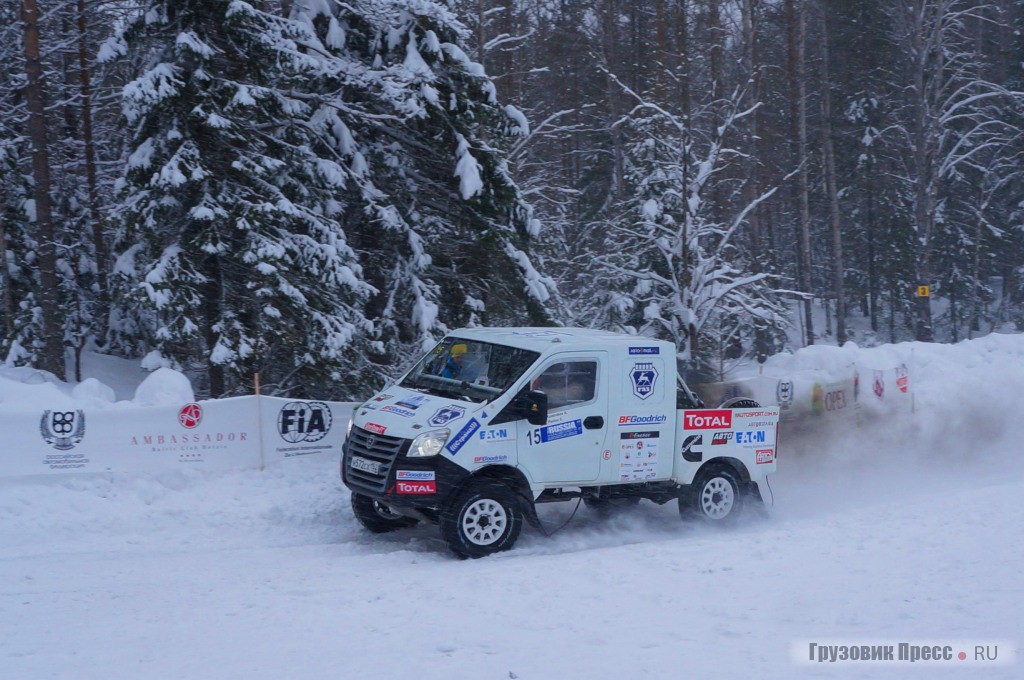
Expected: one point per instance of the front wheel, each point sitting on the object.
(378, 517)
(482, 519)
(715, 496)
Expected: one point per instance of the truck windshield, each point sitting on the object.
(469, 369)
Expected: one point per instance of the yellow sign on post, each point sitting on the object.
(924, 291)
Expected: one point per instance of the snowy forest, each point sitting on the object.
(315, 191)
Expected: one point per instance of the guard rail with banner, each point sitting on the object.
(216, 434)
(876, 391)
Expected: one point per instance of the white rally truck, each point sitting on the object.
(494, 421)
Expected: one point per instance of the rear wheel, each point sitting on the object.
(715, 496)
(482, 519)
(378, 517)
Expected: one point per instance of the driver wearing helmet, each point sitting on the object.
(453, 366)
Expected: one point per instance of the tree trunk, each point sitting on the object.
(212, 307)
(5, 283)
(98, 241)
(751, 188)
(52, 355)
(924, 206)
(481, 33)
(872, 266)
(611, 60)
(716, 35)
(795, 38)
(828, 151)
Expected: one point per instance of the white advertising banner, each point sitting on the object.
(215, 434)
(300, 427)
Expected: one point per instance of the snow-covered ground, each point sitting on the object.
(905, 529)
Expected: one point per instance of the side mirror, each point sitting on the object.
(534, 407)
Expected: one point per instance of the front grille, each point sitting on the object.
(376, 447)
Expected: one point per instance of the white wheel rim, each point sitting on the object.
(717, 498)
(384, 511)
(484, 521)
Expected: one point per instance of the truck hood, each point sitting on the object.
(401, 412)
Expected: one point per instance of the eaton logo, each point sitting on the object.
(751, 437)
(495, 434)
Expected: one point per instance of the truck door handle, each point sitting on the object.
(593, 422)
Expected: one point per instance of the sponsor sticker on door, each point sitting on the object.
(710, 419)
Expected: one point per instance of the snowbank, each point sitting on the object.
(28, 389)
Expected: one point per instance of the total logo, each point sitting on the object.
(415, 488)
(190, 416)
(304, 421)
(707, 420)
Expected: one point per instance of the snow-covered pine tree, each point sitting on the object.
(671, 268)
(232, 257)
(21, 343)
(444, 234)
(19, 326)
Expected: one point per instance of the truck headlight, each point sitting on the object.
(428, 444)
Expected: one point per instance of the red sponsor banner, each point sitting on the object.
(375, 428)
(707, 420)
(415, 487)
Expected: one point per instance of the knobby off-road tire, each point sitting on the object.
(716, 496)
(378, 517)
(482, 519)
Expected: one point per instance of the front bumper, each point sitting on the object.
(390, 476)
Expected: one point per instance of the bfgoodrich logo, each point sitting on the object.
(304, 421)
(63, 430)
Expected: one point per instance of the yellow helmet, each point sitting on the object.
(458, 350)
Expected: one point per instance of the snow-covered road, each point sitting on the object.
(899, 531)
(164, 579)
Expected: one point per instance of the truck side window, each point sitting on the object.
(568, 383)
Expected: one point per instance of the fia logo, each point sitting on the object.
(62, 430)
(304, 421)
(643, 377)
(446, 415)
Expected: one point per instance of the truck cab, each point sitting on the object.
(493, 421)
